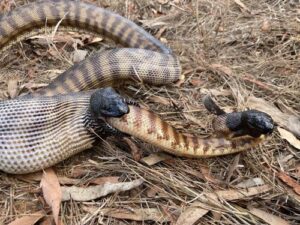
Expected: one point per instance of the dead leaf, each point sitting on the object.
(97, 191)
(233, 194)
(29, 219)
(216, 92)
(52, 192)
(78, 172)
(196, 82)
(134, 149)
(194, 120)
(180, 81)
(12, 88)
(136, 214)
(104, 180)
(192, 214)
(155, 158)
(289, 181)
(268, 217)
(257, 181)
(222, 68)
(266, 27)
(287, 121)
(160, 100)
(79, 55)
(242, 5)
(289, 137)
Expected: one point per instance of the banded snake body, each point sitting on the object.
(51, 124)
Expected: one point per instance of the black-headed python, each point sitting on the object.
(47, 127)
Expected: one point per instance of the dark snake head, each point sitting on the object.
(106, 102)
(257, 123)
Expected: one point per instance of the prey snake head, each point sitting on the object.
(250, 122)
(257, 123)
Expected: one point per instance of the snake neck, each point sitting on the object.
(98, 127)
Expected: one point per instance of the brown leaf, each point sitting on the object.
(196, 82)
(155, 158)
(266, 27)
(268, 217)
(12, 88)
(233, 194)
(136, 214)
(180, 81)
(192, 214)
(223, 69)
(289, 181)
(134, 149)
(160, 100)
(52, 192)
(29, 219)
(104, 180)
(289, 137)
(97, 191)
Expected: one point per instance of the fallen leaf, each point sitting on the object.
(242, 5)
(287, 121)
(136, 214)
(134, 149)
(289, 137)
(196, 82)
(289, 181)
(29, 219)
(79, 55)
(268, 217)
(222, 68)
(194, 120)
(233, 194)
(97, 191)
(104, 180)
(257, 181)
(266, 27)
(12, 88)
(180, 81)
(160, 100)
(52, 192)
(78, 172)
(216, 92)
(192, 214)
(155, 158)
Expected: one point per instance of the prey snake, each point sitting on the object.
(52, 124)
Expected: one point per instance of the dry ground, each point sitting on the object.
(232, 49)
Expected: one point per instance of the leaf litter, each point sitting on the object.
(248, 46)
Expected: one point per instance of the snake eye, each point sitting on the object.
(258, 122)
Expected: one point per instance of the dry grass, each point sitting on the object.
(225, 48)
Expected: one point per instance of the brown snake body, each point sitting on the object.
(38, 132)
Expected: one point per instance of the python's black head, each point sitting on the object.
(257, 123)
(106, 102)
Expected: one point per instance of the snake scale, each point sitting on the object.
(52, 124)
